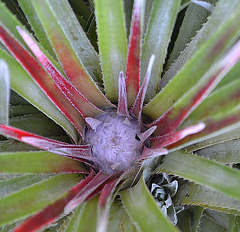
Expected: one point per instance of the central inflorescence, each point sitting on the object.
(114, 140)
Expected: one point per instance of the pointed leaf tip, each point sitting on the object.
(90, 187)
(171, 138)
(84, 107)
(122, 98)
(138, 104)
(149, 153)
(133, 59)
(4, 92)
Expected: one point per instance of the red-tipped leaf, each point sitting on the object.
(133, 60)
(90, 188)
(53, 211)
(72, 66)
(165, 140)
(43, 79)
(138, 104)
(104, 203)
(122, 96)
(169, 122)
(86, 108)
(216, 125)
(60, 148)
(149, 153)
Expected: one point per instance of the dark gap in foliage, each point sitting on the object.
(14, 7)
(174, 36)
(85, 15)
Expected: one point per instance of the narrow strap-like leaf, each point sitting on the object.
(31, 123)
(43, 79)
(112, 41)
(32, 199)
(226, 152)
(193, 194)
(84, 107)
(143, 210)
(194, 70)
(105, 201)
(165, 140)
(133, 60)
(191, 99)
(221, 137)
(35, 23)
(220, 100)
(136, 109)
(20, 110)
(39, 99)
(122, 96)
(158, 35)
(188, 30)
(93, 185)
(53, 211)
(77, 38)
(60, 148)
(219, 16)
(4, 92)
(16, 184)
(231, 76)
(37, 162)
(11, 22)
(118, 218)
(84, 218)
(216, 125)
(203, 171)
(66, 55)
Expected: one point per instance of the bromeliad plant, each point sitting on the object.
(129, 112)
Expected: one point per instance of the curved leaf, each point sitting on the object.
(118, 218)
(43, 79)
(35, 23)
(191, 99)
(197, 66)
(112, 41)
(223, 122)
(158, 35)
(16, 184)
(84, 107)
(11, 22)
(38, 124)
(220, 100)
(25, 86)
(72, 67)
(230, 135)
(4, 92)
(133, 59)
(188, 29)
(38, 162)
(192, 194)
(217, 19)
(203, 171)
(226, 152)
(20, 110)
(30, 200)
(143, 210)
(76, 36)
(84, 218)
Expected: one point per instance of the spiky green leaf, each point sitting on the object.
(112, 41)
(203, 171)
(139, 204)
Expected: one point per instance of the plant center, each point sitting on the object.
(114, 141)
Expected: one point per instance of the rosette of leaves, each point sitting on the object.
(163, 189)
(106, 94)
